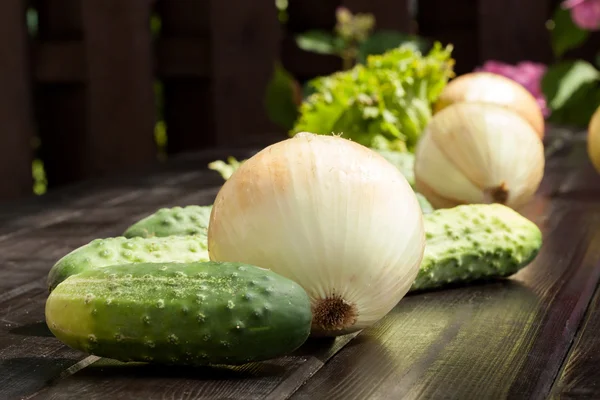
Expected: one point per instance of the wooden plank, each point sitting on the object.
(16, 107)
(441, 13)
(311, 14)
(185, 68)
(245, 40)
(16, 273)
(452, 23)
(183, 57)
(60, 62)
(501, 340)
(463, 40)
(30, 357)
(521, 37)
(304, 65)
(64, 62)
(184, 18)
(121, 108)
(389, 15)
(59, 20)
(274, 379)
(580, 375)
(60, 102)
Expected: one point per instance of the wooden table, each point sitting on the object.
(533, 336)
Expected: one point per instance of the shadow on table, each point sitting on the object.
(36, 329)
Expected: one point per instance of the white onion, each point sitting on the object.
(330, 214)
(478, 153)
(487, 87)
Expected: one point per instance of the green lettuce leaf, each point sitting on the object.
(384, 104)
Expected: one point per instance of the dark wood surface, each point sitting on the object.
(16, 108)
(533, 336)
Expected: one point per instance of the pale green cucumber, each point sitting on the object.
(188, 220)
(475, 242)
(121, 250)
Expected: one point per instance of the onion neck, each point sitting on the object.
(497, 194)
(333, 314)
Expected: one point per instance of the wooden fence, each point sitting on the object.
(83, 84)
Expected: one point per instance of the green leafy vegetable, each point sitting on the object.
(384, 104)
(225, 168)
(381, 41)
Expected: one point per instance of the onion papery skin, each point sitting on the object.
(486, 87)
(593, 141)
(482, 153)
(330, 214)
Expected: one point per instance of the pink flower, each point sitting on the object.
(585, 13)
(527, 73)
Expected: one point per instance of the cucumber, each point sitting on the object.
(121, 250)
(188, 220)
(475, 242)
(174, 313)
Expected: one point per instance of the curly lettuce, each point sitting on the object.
(384, 104)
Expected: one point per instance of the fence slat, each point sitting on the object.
(245, 43)
(16, 115)
(59, 95)
(452, 22)
(121, 108)
(184, 62)
(389, 15)
(522, 36)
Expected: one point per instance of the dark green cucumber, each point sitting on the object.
(475, 242)
(187, 314)
(121, 250)
(188, 220)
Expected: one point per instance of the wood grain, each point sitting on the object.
(185, 68)
(121, 108)
(60, 106)
(30, 357)
(16, 107)
(580, 375)
(523, 36)
(504, 340)
(273, 379)
(388, 15)
(245, 38)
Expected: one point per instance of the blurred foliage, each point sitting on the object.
(353, 39)
(572, 90)
(565, 35)
(571, 87)
(283, 95)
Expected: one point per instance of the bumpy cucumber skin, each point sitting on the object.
(121, 250)
(180, 221)
(475, 242)
(185, 314)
